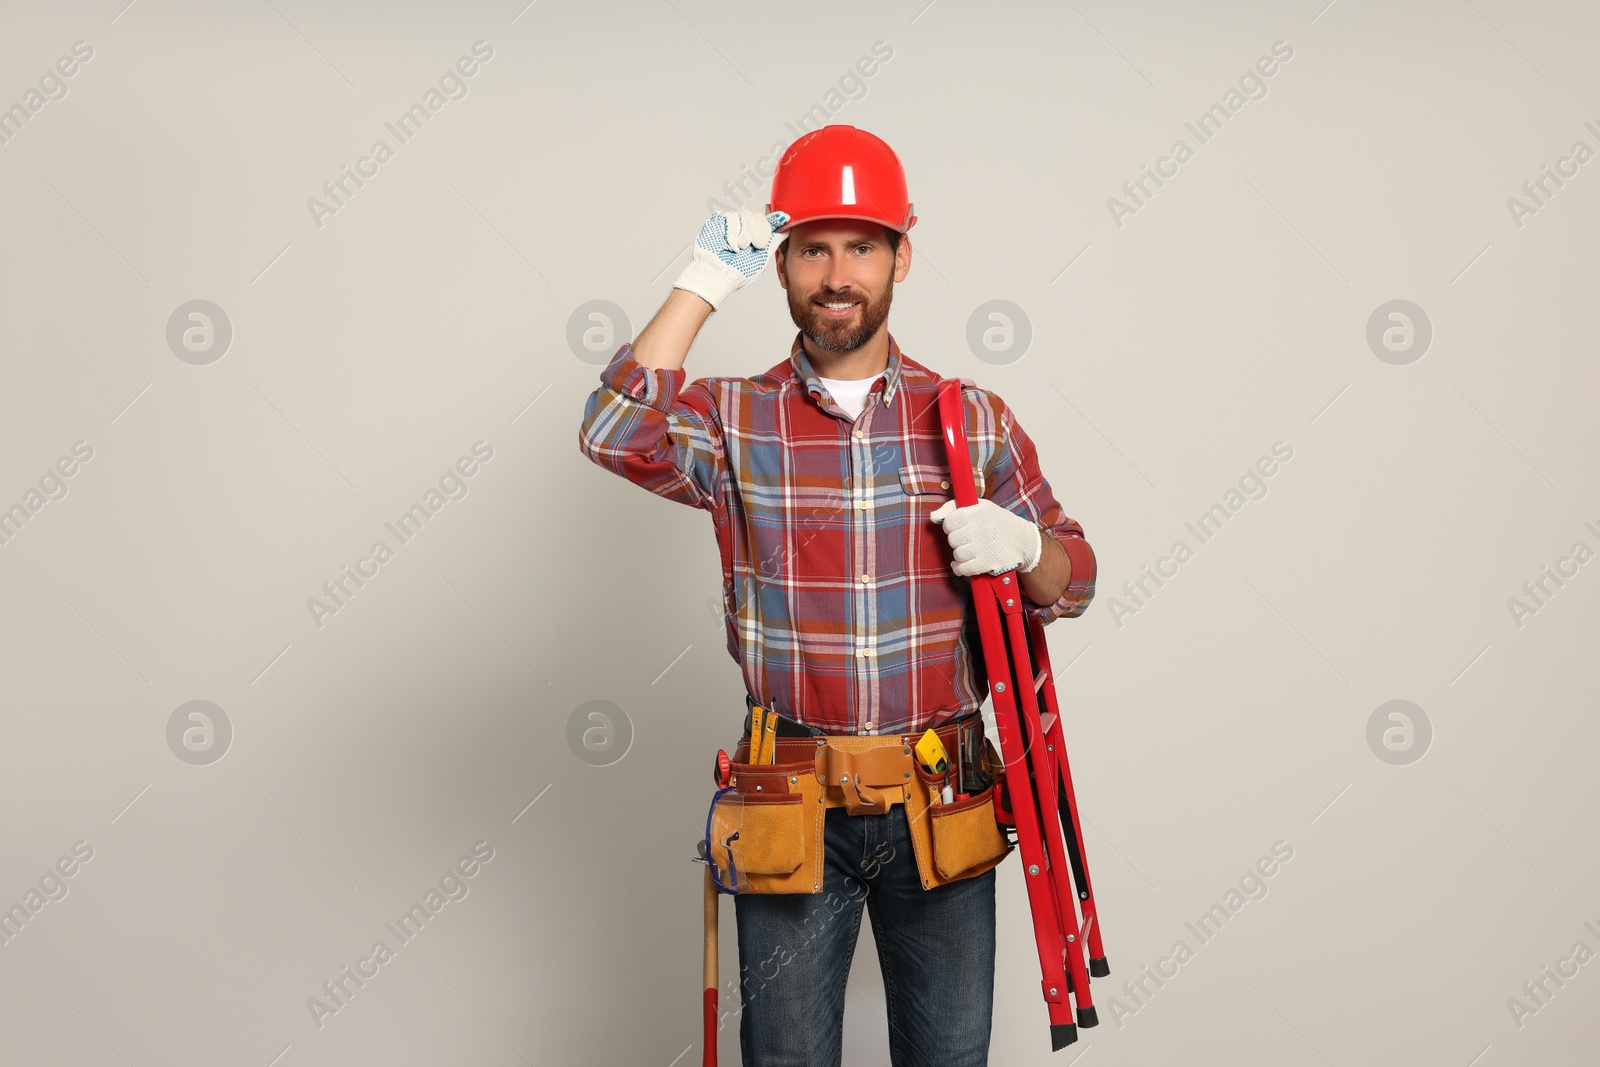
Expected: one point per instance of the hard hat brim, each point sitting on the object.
(792, 223)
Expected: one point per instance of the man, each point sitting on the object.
(844, 575)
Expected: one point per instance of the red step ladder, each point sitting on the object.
(1037, 781)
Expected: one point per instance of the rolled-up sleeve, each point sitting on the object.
(1012, 479)
(645, 425)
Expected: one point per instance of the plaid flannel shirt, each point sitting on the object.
(840, 605)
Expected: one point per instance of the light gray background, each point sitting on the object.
(368, 754)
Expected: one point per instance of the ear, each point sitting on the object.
(902, 259)
(781, 264)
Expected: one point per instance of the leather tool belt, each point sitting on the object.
(765, 832)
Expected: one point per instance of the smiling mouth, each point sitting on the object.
(838, 309)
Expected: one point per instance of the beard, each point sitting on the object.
(841, 335)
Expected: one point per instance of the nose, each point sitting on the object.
(836, 278)
(837, 275)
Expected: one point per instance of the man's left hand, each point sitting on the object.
(987, 537)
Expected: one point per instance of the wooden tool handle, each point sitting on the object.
(708, 1057)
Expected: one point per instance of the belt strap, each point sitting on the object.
(864, 773)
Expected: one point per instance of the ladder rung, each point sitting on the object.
(1039, 679)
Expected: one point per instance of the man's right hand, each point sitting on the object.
(733, 248)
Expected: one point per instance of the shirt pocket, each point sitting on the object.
(933, 481)
(925, 480)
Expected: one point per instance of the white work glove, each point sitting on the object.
(987, 537)
(733, 247)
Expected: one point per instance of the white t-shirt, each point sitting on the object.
(852, 395)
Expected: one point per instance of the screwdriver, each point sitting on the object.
(963, 743)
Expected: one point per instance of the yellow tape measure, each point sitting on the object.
(931, 754)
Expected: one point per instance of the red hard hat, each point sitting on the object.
(840, 172)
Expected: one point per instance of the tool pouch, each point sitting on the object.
(764, 832)
(765, 829)
(958, 840)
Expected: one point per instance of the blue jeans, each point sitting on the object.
(935, 948)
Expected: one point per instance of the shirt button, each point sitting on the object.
(944, 485)
(868, 725)
(865, 578)
(861, 433)
(862, 505)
